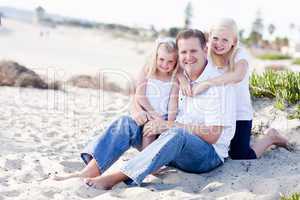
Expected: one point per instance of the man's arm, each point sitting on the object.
(210, 134)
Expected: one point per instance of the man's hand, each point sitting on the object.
(155, 127)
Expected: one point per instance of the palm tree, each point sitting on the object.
(256, 33)
(1, 15)
(271, 29)
(188, 15)
(39, 14)
(292, 26)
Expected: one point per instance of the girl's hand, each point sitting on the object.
(186, 89)
(184, 85)
(155, 116)
(141, 118)
(199, 88)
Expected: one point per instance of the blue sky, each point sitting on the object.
(167, 13)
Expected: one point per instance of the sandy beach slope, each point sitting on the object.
(43, 132)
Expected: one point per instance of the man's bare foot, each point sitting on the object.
(100, 182)
(276, 138)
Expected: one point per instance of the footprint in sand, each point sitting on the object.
(84, 191)
(72, 166)
(50, 192)
(35, 138)
(26, 178)
(4, 180)
(52, 134)
(268, 186)
(66, 136)
(13, 164)
(11, 193)
(55, 143)
(17, 135)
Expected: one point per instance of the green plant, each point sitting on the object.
(296, 61)
(273, 56)
(173, 31)
(279, 105)
(295, 113)
(284, 86)
(295, 196)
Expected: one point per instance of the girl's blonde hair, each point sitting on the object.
(170, 45)
(227, 24)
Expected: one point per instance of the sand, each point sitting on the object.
(45, 133)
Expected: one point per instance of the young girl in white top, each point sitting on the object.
(225, 52)
(151, 99)
(154, 86)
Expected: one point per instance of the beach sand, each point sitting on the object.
(42, 132)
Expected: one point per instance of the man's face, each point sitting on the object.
(191, 55)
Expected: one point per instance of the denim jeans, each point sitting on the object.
(175, 147)
(109, 146)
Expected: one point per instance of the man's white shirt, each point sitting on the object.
(214, 107)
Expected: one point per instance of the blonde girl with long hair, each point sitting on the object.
(154, 84)
(150, 102)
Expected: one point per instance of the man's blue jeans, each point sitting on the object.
(175, 147)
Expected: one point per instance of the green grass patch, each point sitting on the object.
(284, 86)
(295, 196)
(295, 113)
(296, 61)
(273, 56)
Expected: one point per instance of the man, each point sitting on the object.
(196, 142)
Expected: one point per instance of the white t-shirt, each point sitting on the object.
(244, 108)
(158, 94)
(215, 107)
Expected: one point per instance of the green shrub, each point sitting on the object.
(173, 31)
(295, 113)
(295, 196)
(284, 86)
(273, 56)
(296, 61)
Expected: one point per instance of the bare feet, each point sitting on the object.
(100, 182)
(106, 182)
(276, 138)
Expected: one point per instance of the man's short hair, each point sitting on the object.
(192, 33)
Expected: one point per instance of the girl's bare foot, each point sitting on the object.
(276, 138)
